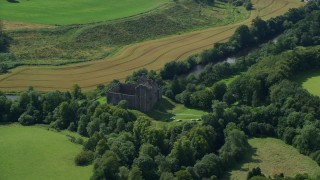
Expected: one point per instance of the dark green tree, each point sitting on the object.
(208, 166)
(107, 167)
(183, 151)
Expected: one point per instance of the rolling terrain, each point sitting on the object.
(149, 54)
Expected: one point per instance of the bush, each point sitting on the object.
(3, 68)
(26, 119)
(316, 156)
(84, 158)
(79, 141)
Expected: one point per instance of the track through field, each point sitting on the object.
(149, 54)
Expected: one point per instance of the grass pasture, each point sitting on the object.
(37, 153)
(166, 109)
(153, 55)
(273, 156)
(73, 11)
(310, 81)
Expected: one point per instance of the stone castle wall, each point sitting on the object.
(142, 95)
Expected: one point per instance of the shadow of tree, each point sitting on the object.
(249, 157)
(305, 76)
(13, 1)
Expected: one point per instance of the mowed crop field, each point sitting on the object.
(273, 156)
(73, 11)
(152, 55)
(37, 153)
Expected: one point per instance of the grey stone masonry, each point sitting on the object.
(142, 95)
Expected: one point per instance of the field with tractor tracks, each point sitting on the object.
(152, 55)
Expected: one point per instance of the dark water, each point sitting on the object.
(199, 68)
(275, 40)
(230, 60)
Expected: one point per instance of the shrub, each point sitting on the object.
(316, 156)
(84, 158)
(26, 119)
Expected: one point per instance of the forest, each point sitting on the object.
(262, 101)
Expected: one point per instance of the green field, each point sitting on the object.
(167, 109)
(73, 11)
(310, 81)
(273, 156)
(168, 113)
(37, 153)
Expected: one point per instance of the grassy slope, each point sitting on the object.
(73, 11)
(310, 81)
(273, 156)
(78, 43)
(36, 153)
(167, 109)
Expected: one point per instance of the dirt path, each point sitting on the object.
(150, 54)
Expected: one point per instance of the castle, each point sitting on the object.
(142, 95)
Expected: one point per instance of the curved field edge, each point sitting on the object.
(310, 81)
(74, 11)
(150, 54)
(38, 153)
(78, 43)
(273, 156)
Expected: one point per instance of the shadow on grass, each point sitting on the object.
(160, 116)
(6, 123)
(13, 1)
(161, 110)
(249, 157)
(164, 105)
(305, 76)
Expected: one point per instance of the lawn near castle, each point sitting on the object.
(38, 153)
(73, 11)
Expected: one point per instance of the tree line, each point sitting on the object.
(262, 101)
(192, 88)
(244, 38)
